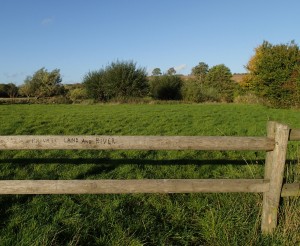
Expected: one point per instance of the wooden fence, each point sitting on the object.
(275, 145)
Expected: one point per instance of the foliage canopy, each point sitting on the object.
(8, 90)
(95, 85)
(171, 71)
(117, 80)
(200, 71)
(166, 87)
(219, 78)
(156, 72)
(274, 73)
(43, 84)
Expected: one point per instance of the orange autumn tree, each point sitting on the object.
(273, 73)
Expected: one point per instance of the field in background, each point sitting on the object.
(150, 219)
(236, 77)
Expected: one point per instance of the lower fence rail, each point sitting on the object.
(292, 189)
(132, 186)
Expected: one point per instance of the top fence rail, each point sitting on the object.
(136, 143)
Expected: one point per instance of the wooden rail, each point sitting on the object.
(136, 142)
(132, 186)
(275, 145)
(294, 135)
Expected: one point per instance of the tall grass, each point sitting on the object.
(142, 219)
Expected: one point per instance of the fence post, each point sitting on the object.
(274, 170)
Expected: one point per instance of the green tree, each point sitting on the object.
(3, 90)
(8, 90)
(166, 87)
(123, 79)
(94, 83)
(117, 80)
(27, 89)
(12, 90)
(193, 91)
(43, 84)
(273, 73)
(219, 77)
(77, 95)
(156, 72)
(293, 87)
(171, 71)
(200, 71)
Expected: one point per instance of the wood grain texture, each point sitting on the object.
(132, 186)
(136, 142)
(294, 135)
(271, 198)
(290, 190)
(269, 155)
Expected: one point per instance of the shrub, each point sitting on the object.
(94, 84)
(219, 77)
(195, 91)
(273, 73)
(131, 100)
(248, 98)
(124, 79)
(191, 90)
(9, 90)
(166, 87)
(211, 94)
(117, 80)
(43, 84)
(54, 100)
(77, 95)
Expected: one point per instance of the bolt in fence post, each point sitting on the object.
(274, 170)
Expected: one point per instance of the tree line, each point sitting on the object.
(122, 80)
(273, 78)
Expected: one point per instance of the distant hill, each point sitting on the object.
(238, 77)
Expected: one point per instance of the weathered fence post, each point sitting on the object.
(274, 169)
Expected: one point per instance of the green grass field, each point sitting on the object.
(142, 219)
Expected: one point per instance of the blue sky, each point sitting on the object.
(78, 36)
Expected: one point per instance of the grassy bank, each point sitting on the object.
(143, 219)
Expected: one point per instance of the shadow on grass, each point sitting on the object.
(7, 201)
(128, 161)
(106, 165)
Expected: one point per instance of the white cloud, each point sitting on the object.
(180, 67)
